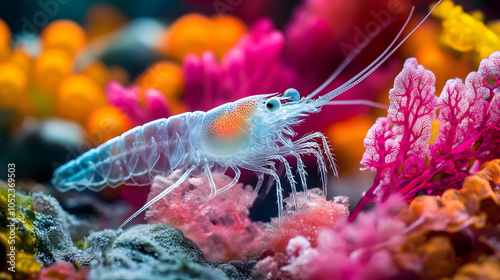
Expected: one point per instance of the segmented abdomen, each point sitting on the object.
(135, 157)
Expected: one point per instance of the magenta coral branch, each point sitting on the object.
(469, 118)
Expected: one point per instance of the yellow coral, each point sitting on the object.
(466, 31)
(26, 264)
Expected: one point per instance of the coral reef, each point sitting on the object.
(435, 196)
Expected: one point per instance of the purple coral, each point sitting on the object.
(397, 146)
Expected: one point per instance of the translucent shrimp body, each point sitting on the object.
(254, 133)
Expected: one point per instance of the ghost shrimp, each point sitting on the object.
(255, 133)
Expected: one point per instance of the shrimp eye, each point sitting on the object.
(292, 94)
(273, 104)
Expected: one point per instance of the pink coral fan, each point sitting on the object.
(220, 226)
(398, 148)
(62, 271)
(129, 101)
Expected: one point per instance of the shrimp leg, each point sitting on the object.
(260, 181)
(311, 148)
(158, 197)
(290, 177)
(235, 180)
(302, 171)
(271, 180)
(326, 148)
(279, 190)
(213, 188)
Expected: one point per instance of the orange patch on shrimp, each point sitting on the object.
(233, 123)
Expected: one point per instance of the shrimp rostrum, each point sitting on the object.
(255, 133)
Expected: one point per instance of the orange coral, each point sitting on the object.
(438, 256)
(166, 77)
(456, 209)
(102, 19)
(439, 229)
(50, 68)
(22, 59)
(195, 33)
(77, 96)
(485, 269)
(98, 72)
(106, 123)
(479, 184)
(348, 142)
(4, 40)
(65, 35)
(13, 86)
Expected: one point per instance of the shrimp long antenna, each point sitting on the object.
(344, 64)
(359, 102)
(353, 55)
(381, 59)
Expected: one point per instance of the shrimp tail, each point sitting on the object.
(134, 158)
